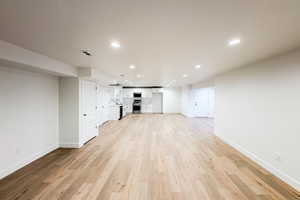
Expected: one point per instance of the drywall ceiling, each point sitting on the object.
(164, 39)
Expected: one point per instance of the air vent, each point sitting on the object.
(86, 52)
(115, 84)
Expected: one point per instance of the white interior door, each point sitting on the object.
(157, 99)
(99, 117)
(201, 102)
(90, 129)
(101, 111)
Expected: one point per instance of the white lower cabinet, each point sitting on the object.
(114, 112)
(149, 109)
(146, 108)
(127, 103)
(143, 108)
(128, 108)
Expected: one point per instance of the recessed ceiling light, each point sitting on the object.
(184, 75)
(234, 42)
(139, 76)
(197, 66)
(131, 67)
(115, 44)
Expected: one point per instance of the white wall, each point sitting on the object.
(198, 100)
(29, 117)
(34, 61)
(69, 112)
(172, 100)
(211, 102)
(257, 111)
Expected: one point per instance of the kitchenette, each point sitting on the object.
(124, 100)
(142, 100)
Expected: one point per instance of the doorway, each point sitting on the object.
(89, 112)
(203, 102)
(157, 99)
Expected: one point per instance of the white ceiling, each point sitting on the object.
(162, 38)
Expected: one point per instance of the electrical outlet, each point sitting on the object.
(17, 151)
(277, 157)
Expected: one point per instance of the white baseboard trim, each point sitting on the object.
(193, 116)
(186, 115)
(70, 145)
(24, 162)
(276, 172)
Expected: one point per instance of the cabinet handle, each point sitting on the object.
(85, 115)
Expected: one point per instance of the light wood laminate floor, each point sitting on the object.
(147, 157)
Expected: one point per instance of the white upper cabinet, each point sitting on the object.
(147, 93)
(128, 93)
(125, 93)
(117, 92)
